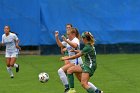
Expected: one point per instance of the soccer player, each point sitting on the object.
(11, 41)
(87, 69)
(63, 49)
(71, 43)
(62, 75)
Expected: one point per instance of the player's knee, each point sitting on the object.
(8, 65)
(67, 62)
(11, 65)
(78, 77)
(60, 71)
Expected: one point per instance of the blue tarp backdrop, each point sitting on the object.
(111, 21)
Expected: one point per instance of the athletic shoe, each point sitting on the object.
(71, 91)
(12, 76)
(98, 91)
(66, 90)
(17, 69)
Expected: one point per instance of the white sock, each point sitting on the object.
(92, 86)
(15, 65)
(63, 76)
(10, 71)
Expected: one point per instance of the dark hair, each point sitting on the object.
(7, 26)
(77, 33)
(69, 24)
(13, 32)
(10, 30)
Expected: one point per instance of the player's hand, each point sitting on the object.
(64, 38)
(1, 44)
(18, 47)
(56, 33)
(64, 49)
(76, 51)
(72, 50)
(64, 58)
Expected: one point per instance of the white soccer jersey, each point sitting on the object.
(75, 40)
(9, 41)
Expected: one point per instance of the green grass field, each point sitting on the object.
(116, 73)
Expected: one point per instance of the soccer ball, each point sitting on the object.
(43, 77)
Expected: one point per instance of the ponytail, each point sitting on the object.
(89, 37)
(77, 33)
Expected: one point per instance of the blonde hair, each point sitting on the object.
(89, 37)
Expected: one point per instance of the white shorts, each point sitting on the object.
(11, 54)
(76, 61)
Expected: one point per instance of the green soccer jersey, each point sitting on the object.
(90, 56)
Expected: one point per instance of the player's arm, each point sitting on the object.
(2, 42)
(63, 49)
(59, 43)
(71, 57)
(17, 45)
(76, 51)
(74, 45)
(17, 42)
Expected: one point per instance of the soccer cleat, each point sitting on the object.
(71, 91)
(17, 69)
(12, 76)
(98, 91)
(66, 90)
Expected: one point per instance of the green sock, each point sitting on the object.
(71, 80)
(90, 90)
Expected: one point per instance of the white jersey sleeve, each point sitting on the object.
(15, 37)
(76, 40)
(2, 39)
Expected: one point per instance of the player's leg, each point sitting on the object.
(93, 86)
(8, 59)
(9, 69)
(66, 62)
(63, 77)
(74, 69)
(89, 83)
(96, 90)
(13, 61)
(78, 76)
(84, 82)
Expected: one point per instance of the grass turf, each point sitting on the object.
(117, 73)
